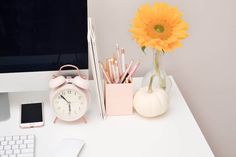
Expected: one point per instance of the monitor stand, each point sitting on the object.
(4, 107)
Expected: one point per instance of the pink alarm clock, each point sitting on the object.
(69, 95)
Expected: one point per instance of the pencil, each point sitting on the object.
(105, 74)
(110, 62)
(133, 70)
(126, 73)
(123, 60)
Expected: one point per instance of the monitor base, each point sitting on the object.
(4, 107)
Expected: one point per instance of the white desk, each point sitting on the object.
(175, 134)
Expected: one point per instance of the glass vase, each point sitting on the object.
(157, 77)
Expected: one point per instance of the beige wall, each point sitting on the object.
(204, 67)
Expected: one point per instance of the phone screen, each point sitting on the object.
(31, 113)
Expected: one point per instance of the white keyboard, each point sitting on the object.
(17, 146)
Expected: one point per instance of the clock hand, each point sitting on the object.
(67, 102)
(69, 108)
(64, 99)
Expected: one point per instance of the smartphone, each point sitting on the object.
(31, 115)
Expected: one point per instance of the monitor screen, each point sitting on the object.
(42, 35)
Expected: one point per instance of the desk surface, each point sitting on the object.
(175, 134)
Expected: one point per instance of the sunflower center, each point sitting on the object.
(159, 28)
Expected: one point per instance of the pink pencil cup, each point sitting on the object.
(119, 99)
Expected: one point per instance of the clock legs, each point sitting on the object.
(83, 119)
(55, 120)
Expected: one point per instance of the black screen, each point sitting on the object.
(31, 113)
(39, 35)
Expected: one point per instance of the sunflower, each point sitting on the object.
(159, 26)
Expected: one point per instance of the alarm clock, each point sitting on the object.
(69, 95)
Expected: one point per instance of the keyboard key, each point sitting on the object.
(11, 142)
(2, 152)
(3, 143)
(30, 145)
(1, 147)
(25, 155)
(15, 146)
(19, 142)
(25, 151)
(13, 155)
(2, 138)
(9, 152)
(31, 137)
(7, 147)
(28, 141)
(8, 138)
(23, 137)
(16, 138)
(16, 151)
(4, 156)
(22, 146)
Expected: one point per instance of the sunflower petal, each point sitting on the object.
(170, 18)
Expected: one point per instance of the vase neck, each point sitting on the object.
(157, 68)
(157, 57)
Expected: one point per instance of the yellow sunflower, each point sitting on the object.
(160, 27)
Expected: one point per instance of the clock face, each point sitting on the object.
(70, 104)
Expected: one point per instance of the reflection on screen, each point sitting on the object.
(40, 35)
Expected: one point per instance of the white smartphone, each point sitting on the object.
(31, 115)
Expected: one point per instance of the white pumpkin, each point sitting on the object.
(150, 104)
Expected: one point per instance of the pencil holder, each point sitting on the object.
(118, 99)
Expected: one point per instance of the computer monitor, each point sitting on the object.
(36, 38)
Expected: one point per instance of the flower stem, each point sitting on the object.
(162, 80)
(150, 84)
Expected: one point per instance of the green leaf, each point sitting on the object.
(163, 51)
(143, 49)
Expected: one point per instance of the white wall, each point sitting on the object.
(204, 67)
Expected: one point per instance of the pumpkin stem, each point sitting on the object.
(150, 84)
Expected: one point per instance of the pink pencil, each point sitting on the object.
(133, 70)
(124, 76)
(110, 62)
(119, 60)
(116, 72)
(105, 74)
